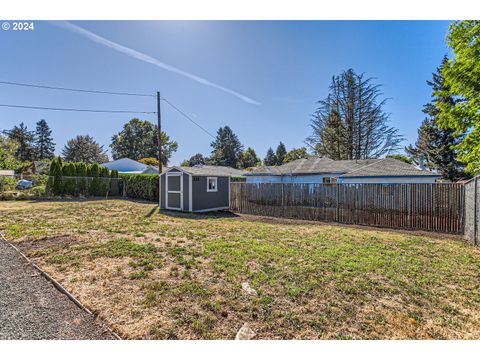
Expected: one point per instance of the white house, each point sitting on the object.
(324, 170)
(129, 166)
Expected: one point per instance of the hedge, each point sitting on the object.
(76, 179)
(141, 186)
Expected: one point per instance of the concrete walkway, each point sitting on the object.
(32, 308)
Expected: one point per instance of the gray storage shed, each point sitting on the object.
(195, 189)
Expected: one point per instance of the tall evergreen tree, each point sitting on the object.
(350, 123)
(227, 148)
(84, 148)
(138, 140)
(249, 159)
(24, 139)
(280, 153)
(44, 145)
(270, 158)
(436, 146)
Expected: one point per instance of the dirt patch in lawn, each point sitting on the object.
(54, 242)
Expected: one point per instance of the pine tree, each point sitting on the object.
(55, 177)
(24, 139)
(436, 146)
(280, 153)
(69, 179)
(44, 145)
(114, 183)
(350, 122)
(227, 148)
(104, 175)
(94, 188)
(270, 158)
(81, 173)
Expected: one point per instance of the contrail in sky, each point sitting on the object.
(148, 59)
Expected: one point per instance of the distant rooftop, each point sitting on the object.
(344, 168)
(210, 170)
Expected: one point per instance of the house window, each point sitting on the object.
(329, 180)
(212, 184)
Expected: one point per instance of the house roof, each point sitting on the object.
(343, 168)
(129, 166)
(209, 170)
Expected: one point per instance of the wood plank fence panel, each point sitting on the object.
(433, 207)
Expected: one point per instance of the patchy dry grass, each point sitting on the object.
(171, 275)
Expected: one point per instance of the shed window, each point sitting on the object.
(329, 180)
(212, 184)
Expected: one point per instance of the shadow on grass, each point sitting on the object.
(199, 216)
(83, 200)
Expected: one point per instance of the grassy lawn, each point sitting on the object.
(172, 275)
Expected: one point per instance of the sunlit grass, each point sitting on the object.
(173, 275)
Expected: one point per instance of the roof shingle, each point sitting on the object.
(343, 168)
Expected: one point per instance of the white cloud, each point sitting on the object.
(148, 59)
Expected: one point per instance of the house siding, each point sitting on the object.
(203, 200)
(318, 178)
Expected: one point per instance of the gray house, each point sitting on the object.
(324, 170)
(196, 189)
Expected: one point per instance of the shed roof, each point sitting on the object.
(343, 168)
(209, 170)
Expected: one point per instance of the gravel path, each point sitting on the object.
(32, 308)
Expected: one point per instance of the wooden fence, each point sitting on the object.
(433, 207)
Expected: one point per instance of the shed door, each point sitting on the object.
(174, 191)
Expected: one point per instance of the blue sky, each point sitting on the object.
(285, 66)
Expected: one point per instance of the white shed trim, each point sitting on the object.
(190, 195)
(168, 174)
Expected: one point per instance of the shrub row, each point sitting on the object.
(141, 186)
(81, 179)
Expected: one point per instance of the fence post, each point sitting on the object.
(475, 211)
(337, 210)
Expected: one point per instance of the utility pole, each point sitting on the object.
(159, 118)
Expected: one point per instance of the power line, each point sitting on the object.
(81, 110)
(188, 117)
(72, 89)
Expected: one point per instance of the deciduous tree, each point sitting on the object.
(436, 146)
(295, 154)
(84, 148)
(249, 159)
(462, 83)
(138, 139)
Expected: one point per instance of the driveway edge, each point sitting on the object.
(58, 286)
